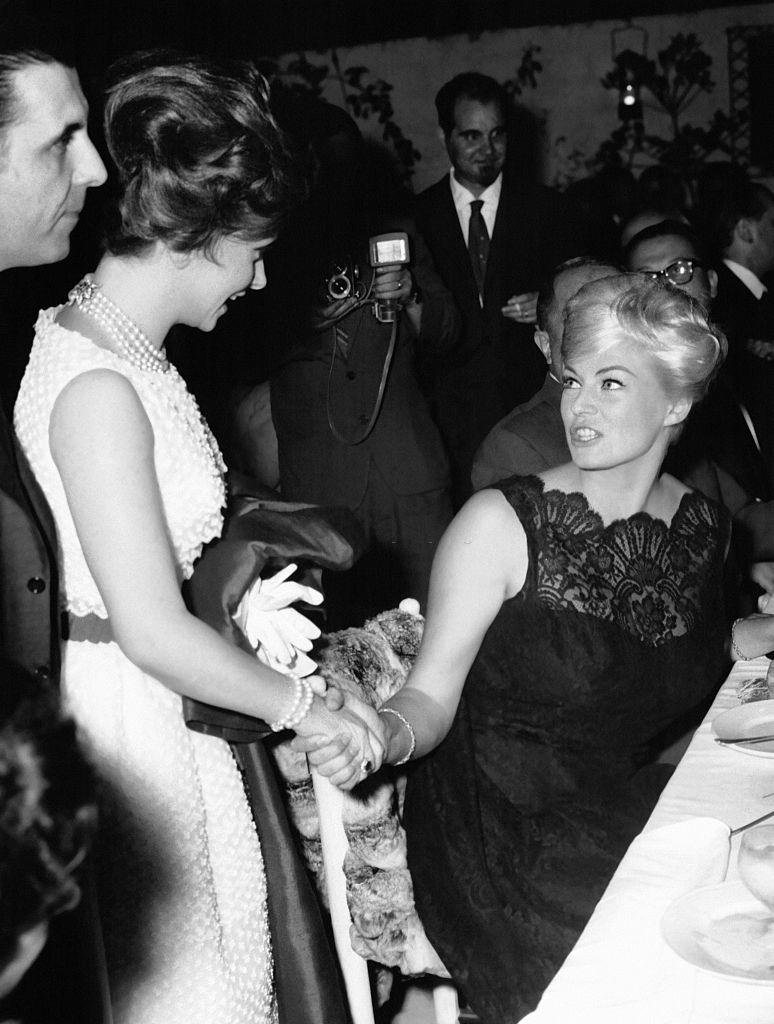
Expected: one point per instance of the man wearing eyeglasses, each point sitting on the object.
(670, 251)
(719, 451)
(654, 251)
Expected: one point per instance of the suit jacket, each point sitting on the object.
(496, 366)
(29, 583)
(742, 317)
(527, 441)
(308, 396)
(67, 982)
(749, 376)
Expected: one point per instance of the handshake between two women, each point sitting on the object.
(343, 738)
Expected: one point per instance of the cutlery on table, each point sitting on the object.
(741, 828)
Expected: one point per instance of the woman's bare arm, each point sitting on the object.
(480, 563)
(102, 443)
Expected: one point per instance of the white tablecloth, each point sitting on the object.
(621, 971)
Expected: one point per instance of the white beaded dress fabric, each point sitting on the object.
(179, 867)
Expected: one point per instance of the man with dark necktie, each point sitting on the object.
(478, 243)
(494, 237)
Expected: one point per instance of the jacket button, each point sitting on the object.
(350, 374)
(36, 585)
(43, 673)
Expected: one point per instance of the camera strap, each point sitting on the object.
(352, 441)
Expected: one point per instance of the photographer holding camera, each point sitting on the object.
(365, 307)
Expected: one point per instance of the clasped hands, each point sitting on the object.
(343, 738)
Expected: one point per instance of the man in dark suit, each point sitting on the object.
(353, 427)
(721, 424)
(743, 230)
(493, 237)
(47, 164)
(718, 452)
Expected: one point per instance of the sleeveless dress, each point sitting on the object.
(180, 873)
(518, 820)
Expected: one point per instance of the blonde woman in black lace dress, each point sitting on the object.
(572, 618)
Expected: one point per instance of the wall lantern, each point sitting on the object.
(628, 40)
(629, 102)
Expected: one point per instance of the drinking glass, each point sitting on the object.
(756, 863)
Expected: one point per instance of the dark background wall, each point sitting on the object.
(103, 29)
(98, 31)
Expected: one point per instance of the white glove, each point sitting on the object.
(278, 633)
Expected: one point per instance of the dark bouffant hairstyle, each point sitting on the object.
(47, 807)
(198, 152)
(473, 86)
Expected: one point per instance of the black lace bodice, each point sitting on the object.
(517, 821)
(642, 574)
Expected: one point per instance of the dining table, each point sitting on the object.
(623, 970)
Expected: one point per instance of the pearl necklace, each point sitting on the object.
(132, 344)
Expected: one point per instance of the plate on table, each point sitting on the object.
(754, 719)
(723, 929)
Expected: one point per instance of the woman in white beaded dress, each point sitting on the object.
(135, 482)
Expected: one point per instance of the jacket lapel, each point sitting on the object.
(458, 270)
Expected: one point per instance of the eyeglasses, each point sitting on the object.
(678, 273)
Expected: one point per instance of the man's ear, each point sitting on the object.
(678, 411)
(543, 342)
(712, 277)
(744, 230)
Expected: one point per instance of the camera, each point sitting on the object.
(342, 281)
(345, 280)
(389, 250)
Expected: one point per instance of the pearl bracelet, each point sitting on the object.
(302, 702)
(409, 726)
(734, 647)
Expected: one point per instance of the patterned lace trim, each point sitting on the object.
(641, 573)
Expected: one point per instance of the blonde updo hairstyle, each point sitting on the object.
(665, 321)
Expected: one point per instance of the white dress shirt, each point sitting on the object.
(463, 197)
(757, 287)
(746, 276)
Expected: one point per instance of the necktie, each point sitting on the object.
(478, 243)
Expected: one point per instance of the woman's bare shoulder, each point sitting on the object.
(487, 508)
